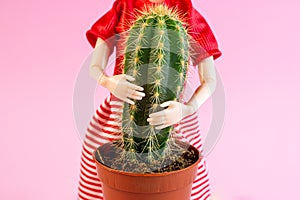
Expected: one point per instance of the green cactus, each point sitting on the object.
(156, 55)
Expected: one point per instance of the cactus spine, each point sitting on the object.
(156, 55)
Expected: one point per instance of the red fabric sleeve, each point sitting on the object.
(203, 41)
(104, 27)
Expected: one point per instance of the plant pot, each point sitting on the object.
(120, 185)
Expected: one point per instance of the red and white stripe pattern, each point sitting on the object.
(105, 127)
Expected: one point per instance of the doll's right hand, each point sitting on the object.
(120, 86)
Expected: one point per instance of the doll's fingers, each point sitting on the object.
(128, 101)
(135, 95)
(129, 78)
(165, 104)
(157, 114)
(161, 119)
(156, 121)
(162, 126)
(135, 87)
(140, 94)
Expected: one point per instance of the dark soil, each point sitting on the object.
(179, 157)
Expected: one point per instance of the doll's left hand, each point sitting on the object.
(170, 116)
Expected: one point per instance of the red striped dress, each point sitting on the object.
(105, 124)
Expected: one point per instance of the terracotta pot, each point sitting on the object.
(119, 185)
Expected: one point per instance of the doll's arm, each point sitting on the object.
(207, 75)
(99, 61)
(118, 85)
(177, 111)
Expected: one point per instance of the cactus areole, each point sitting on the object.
(156, 54)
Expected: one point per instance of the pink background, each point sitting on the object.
(43, 45)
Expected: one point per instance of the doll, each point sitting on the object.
(105, 127)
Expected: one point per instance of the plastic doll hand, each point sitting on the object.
(120, 86)
(173, 114)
